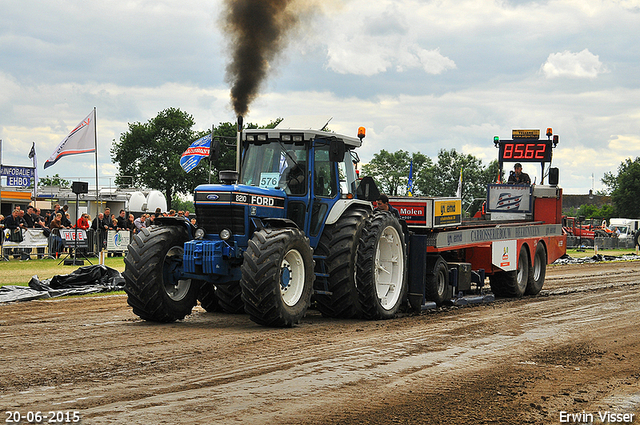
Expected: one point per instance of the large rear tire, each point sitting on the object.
(277, 277)
(153, 266)
(538, 271)
(339, 243)
(381, 275)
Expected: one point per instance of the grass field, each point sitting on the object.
(16, 272)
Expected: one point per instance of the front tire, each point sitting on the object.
(153, 268)
(277, 277)
(381, 277)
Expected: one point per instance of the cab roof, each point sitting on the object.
(288, 135)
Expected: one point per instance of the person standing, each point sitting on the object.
(517, 176)
(83, 222)
(66, 222)
(140, 222)
(15, 223)
(55, 242)
(122, 221)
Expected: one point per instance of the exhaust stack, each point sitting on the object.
(239, 145)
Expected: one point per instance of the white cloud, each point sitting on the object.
(365, 57)
(386, 65)
(574, 65)
(381, 39)
(433, 62)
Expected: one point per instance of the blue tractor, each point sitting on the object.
(294, 227)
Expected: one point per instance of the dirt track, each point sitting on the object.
(574, 349)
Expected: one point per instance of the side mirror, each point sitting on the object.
(336, 151)
(214, 151)
(367, 190)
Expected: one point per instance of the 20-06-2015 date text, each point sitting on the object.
(39, 417)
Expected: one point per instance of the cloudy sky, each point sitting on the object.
(419, 75)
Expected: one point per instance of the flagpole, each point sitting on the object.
(1, 253)
(35, 182)
(95, 128)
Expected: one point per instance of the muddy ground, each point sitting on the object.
(573, 349)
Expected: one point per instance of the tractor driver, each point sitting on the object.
(293, 176)
(517, 176)
(382, 204)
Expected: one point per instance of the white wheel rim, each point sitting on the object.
(176, 289)
(441, 282)
(389, 267)
(292, 277)
(537, 268)
(521, 275)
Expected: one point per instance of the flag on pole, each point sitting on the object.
(32, 156)
(410, 182)
(459, 191)
(194, 153)
(81, 140)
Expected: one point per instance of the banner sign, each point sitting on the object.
(10, 171)
(31, 238)
(509, 198)
(69, 237)
(118, 240)
(18, 181)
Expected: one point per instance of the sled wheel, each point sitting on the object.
(538, 271)
(437, 282)
(514, 283)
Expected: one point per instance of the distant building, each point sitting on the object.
(576, 201)
(130, 200)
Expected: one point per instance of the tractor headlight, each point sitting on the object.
(225, 234)
(200, 233)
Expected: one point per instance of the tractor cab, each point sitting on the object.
(310, 170)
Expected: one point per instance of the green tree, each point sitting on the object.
(54, 180)
(624, 188)
(445, 176)
(391, 170)
(179, 204)
(226, 135)
(150, 154)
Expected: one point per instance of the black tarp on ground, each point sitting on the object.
(566, 259)
(85, 280)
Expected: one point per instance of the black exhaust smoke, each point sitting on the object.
(257, 31)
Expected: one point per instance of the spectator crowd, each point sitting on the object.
(58, 218)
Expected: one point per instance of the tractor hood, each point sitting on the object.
(240, 195)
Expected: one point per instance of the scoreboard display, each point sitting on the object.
(525, 151)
